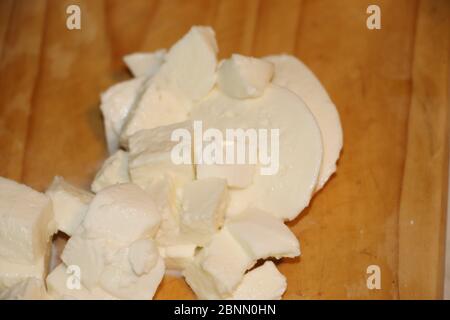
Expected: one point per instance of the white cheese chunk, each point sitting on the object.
(203, 208)
(289, 179)
(60, 285)
(190, 67)
(89, 255)
(225, 261)
(187, 75)
(113, 171)
(116, 104)
(69, 204)
(26, 223)
(236, 175)
(151, 156)
(262, 283)
(120, 280)
(244, 77)
(123, 212)
(297, 77)
(263, 235)
(28, 289)
(143, 256)
(13, 273)
(163, 192)
(201, 282)
(178, 256)
(145, 63)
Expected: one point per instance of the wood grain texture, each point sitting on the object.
(387, 203)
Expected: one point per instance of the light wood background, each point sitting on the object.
(387, 204)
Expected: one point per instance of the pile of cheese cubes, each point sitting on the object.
(218, 226)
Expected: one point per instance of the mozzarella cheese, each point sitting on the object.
(292, 74)
(262, 235)
(145, 63)
(69, 204)
(178, 256)
(122, 212)
(26, 223)
(151, 157)
(187, 75)
(28, 289)
(113, 171)
(203, 208)
(225, 261)
(60, 285)
(287, 191)
(116, 104)
(13, 273)
(143, 256)
(262, 283)
(244, 77)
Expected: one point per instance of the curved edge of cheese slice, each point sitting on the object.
(287, 191)
(294, 75)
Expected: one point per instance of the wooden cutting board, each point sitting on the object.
(386, 205)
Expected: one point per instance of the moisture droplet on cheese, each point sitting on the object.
(113, 171)
(69, 204)
(244, 77)
(145, 63)
(262, 235)
(292, 74)
(262, 283)
(203, 209)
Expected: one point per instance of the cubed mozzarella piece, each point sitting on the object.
(69, 204)
(178, 256)
(143, 256)
(123, 212)
(90, 256)
(152, 155)
(225, 261)
(120, 280)
(262, 283)
(244, 77)
(203, 208)
(116, 104)
(162, 190)
(145, 63)
(28, 289)
(190, 67)
(113, 171)
(62, 284)
(157, 107)
(13, 273)
(201, 282)
(292, 74)
(26, 223)
(186, 76)
(263, 235)
(286, 176)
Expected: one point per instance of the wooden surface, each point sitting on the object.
(386, 206)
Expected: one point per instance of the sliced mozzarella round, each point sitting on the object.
(291, 73)
(287, 192)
